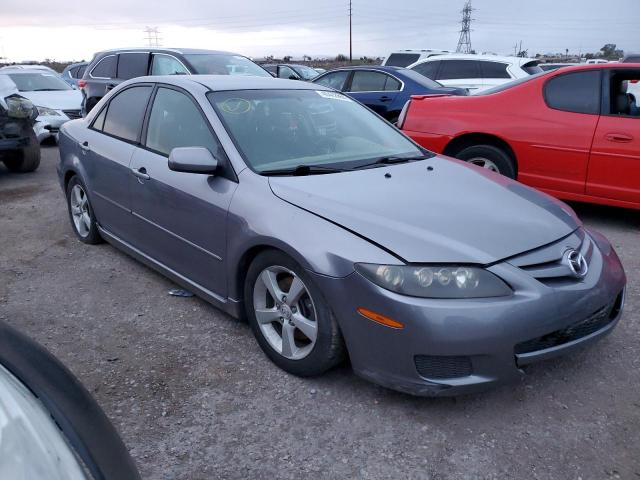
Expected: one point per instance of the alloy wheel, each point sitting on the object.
(285, 312)
(484, 163)
(79, 203)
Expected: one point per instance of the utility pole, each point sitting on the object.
(464, 42)
(350, 35)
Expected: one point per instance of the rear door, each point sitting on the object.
(132, 65)
(180, 218)
(107, 149)
(460, 74)
(376, 90)
(614, 164)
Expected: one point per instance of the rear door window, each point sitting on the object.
(494, 70)
(106, 68)
(458, 69)
(131, 65)
(402, 59)
(126, 112)
(80, 71)
(365, 81)
(577, 92)
(287, 72)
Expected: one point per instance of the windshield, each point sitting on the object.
(38, 82)
(220, 64)
(305, 72)
(285, 129)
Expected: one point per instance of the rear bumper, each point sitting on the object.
(452, 347)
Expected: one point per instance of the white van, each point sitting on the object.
(403, 58)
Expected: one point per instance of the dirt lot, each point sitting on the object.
(194, 397)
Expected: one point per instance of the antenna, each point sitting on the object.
(464, 43)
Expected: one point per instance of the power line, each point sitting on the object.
(464, 42)
(350, 34)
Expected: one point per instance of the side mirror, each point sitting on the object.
(192, 160)
(294, 77)
(273, 74)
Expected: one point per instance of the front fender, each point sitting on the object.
(259, 219)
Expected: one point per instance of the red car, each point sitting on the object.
(573, 133)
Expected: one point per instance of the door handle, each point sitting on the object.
(618, 137)
(384, 98)
(141, 173)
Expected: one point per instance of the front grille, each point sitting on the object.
(72, 114)
(438, 367)
(600, 319)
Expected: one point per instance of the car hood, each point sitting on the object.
(436, 210)
(58, 100)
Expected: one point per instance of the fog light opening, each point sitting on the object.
(379, 318)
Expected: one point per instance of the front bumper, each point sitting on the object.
(49, 125)
(463, 346)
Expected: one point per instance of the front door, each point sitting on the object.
(614, 164)
(180, 218)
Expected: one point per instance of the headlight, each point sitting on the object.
(19, 107)
(49, 112)
(31, 443)
(435, 281)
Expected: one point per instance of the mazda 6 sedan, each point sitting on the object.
(337, 236)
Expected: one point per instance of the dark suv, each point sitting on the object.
(111, 67)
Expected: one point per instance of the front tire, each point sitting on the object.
(489, 157)
(83, 220)
(290, 318)
(27, 159)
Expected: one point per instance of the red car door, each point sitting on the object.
(556, 140)
(614, 164)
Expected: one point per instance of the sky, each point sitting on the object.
(76, 29)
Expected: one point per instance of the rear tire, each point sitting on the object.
(304, 315)
(489, 157)
(83, 220)
(27, 159)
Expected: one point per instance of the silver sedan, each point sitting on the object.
(336, 236)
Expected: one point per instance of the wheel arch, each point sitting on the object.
(459, 143)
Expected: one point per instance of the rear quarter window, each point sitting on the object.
(402, 59)
(577, 92)
(106, 67)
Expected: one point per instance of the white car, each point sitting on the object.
(56, 101)
(403, 58)
(42, 68)
(475, 72)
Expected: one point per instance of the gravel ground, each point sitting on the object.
(194, 397)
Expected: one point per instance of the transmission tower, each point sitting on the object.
(464, 43)
(153, 40)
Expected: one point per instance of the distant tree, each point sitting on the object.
(523, 53)
(610, 52)
(341, 58)
(286, 58)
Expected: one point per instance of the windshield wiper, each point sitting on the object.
(302, 170)
(390, 160)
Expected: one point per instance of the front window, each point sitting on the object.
(221, 64)
(276, 130)
(38, 82)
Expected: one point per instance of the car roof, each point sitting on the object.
(473, 56)
(383, 68)
(28, 71)
(230, 82)
(183, 51)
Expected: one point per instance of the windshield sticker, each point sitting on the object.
(236, 106)
(333, 95)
